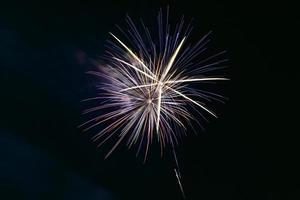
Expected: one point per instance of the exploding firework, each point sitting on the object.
(146, 91)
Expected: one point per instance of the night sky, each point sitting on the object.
(249, 153)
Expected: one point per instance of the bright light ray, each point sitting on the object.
(171, 61)
(158, 107)
(135, 68)
(195, 102)
(131, 53)
(197, 79)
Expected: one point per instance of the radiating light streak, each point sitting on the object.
(195, 102)
(171, 61)
(158, 106)
(197, 79)
(135, 68)
(131, 53)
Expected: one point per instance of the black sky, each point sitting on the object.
(250, 152)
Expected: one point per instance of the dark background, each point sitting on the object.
(250, 152)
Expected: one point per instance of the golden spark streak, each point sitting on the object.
(196, 79)
(172, 59)
(132, 54)
(158, 106)
(135, 68)
(138, 86)
(195, 102)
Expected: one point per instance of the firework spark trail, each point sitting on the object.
(147, 88)
(132, 54)
(177, 174)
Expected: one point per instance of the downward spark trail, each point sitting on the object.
(179, 183)
(178, 174)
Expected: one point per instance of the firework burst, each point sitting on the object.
(146, 90)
